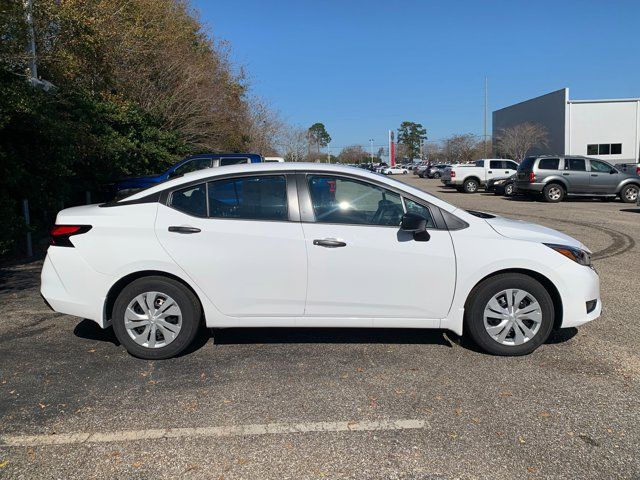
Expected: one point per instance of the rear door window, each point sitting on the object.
(575, 164)
(193, 165)
(249, 198)
(497, 164)
(191, 200)
(549, 163)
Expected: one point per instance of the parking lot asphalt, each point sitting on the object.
(327, 403)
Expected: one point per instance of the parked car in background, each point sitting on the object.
(502, 185)
(395, 171)
(470, 178)
(420, 171)
(417, 167)
(555, 177)
(191, 163)
(297, 245)
(435, 171)
(630, 168)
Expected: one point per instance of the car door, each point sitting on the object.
(240, 240)
(510, 168)
(603, 178)
(496, 169)
(360, 265)
(576, 175)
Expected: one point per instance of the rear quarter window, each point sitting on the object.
(549, 163)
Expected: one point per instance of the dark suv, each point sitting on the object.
(555, 177)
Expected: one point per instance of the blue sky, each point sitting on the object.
(363, 67)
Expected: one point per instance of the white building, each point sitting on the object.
(605, 129)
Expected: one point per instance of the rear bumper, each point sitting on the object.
(68, 285)
(450, 183)
(524, 187)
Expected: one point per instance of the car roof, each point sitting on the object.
(288, 167)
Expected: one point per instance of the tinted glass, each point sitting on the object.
(510, 165)
(232, 161)
(575, 164)
(251, 198)
(496, 164)
(193, 165)
(191, 200)
(413, 207)
(616, 148)
(479, 163)
(604, 148)
(342, 200)
(592, 149)
(527, 164)
(602, 167)
(549, 163)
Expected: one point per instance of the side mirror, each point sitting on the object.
(415, 224)
(174, 174)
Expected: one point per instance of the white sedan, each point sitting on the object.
(311, 245)
(395, 171)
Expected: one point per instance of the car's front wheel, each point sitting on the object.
(629, 193)
(509, 190)
(156, 317)
(437, 175)
(509, 314)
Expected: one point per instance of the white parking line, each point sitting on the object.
(229, 431)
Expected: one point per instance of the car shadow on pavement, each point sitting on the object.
(90, 330)
(630, 210)
(242, 336)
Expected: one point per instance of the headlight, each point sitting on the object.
(572, 253)
(498, 182)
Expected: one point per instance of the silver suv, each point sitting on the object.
(558, 176)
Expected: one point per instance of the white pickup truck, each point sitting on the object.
(469, 178)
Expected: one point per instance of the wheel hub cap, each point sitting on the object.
(153, 319)
(512, 317)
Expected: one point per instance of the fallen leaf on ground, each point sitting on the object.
(4, 463)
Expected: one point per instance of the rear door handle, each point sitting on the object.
(184, 229)
(565, 174)
(594, 174)
(329, 243)
(489, 171)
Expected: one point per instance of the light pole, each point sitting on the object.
(371, 149)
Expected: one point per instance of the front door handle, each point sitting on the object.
(489, 171)
(329, 243)
(565, 174)
(184, 229)
(594, 174)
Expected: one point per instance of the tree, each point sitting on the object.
(318, 136)
(461, 148)
(353, 154)
(293, 143)
(411, 135)
(515, 142)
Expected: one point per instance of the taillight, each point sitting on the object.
(61, 234)
(638, 170)
(453, 174)
(532, 177)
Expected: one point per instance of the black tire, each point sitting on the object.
(509, 190)
(627, 193)
(470, 185)
(553, 193)
(480, 296)
(437, 175)
(459, 189)
(187, 302)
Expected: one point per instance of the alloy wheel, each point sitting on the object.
(512, 317)
(554, 193)
(153, 319)
(631, 194)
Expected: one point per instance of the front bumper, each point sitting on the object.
(582, 285)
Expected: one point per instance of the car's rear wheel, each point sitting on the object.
(553, 193)
(509, 314)
(470, 185)
(437, 175)
(629, 193)
(156, 317)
